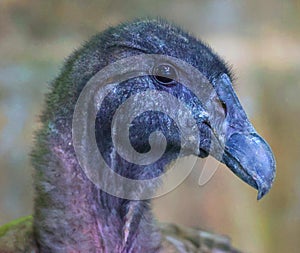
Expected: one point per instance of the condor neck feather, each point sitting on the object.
(71, 213)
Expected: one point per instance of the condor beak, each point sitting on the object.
(251, 159)
(244, 152)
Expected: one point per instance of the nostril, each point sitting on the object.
(224, 106)
(206, 123)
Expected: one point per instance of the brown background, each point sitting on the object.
(259, 38)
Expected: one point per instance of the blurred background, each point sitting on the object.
(261, 39)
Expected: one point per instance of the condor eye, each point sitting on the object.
(165, 74)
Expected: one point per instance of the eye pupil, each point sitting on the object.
(165, 74)
(164, 80)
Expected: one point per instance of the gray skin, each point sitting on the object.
(70, 213)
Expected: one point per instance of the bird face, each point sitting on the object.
(197, 111)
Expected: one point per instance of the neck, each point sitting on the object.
(73, 215)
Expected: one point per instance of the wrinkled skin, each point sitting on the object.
(73, 215)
